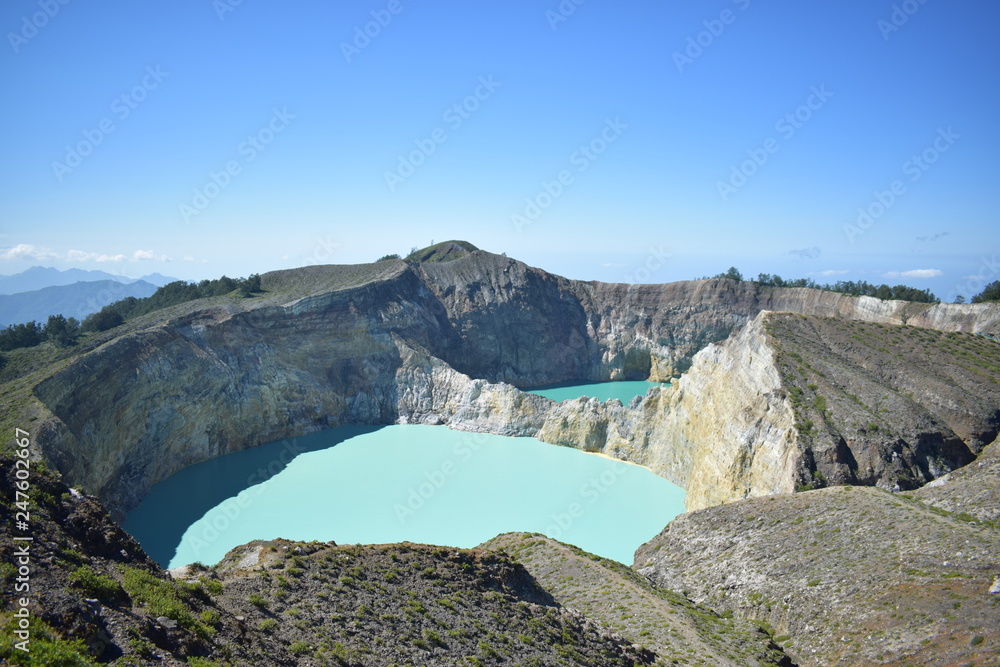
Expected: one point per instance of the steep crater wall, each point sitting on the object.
(443, 343)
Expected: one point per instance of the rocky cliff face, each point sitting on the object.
(726, 429)
(431, 343)
(794, 401)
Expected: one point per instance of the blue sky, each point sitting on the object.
(627, 141)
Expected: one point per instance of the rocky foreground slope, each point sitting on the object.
(972, 492)
(845, 575)
(851, 575)
(445, 342)
(677, 630)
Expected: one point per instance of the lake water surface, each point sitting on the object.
(603, 391)
(428, 484)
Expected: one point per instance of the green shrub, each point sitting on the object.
(165, 598)
(95, 585)
(433, 637)
(267, 625)
(258, 600)
(213, 586)
(299, 648)
(141, 647)
(210, 617)
(977, 640)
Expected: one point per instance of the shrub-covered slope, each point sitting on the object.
(845, 575)
(677, 630)
(409, 604)
(882, 402)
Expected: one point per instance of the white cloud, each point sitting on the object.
(834, 272)
(137, 256)
(26, 251)
(914, 273)
(81, 256)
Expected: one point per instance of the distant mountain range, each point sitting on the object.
(38, 277)
(77, 300)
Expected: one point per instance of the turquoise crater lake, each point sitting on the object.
(602, 391)
(429, 484)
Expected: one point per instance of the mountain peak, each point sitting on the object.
(445, 251)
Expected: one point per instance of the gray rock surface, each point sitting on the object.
(845, 575)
